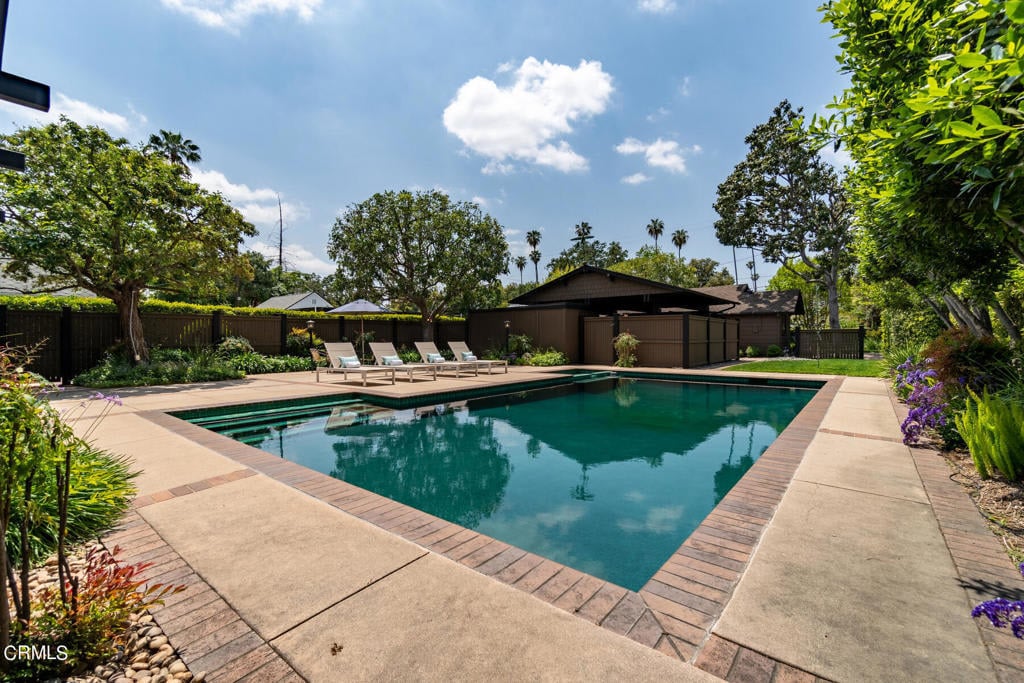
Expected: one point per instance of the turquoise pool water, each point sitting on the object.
(607, 476)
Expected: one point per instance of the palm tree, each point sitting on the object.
(535, 257)
(521, 265)
(179, 150)
(679, 238)
(583, 231)
(654, 229)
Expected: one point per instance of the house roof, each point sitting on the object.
(12, 286)
(788, 302)
(303, 301)
(600, 287)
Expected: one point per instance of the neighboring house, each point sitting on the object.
(10, 286)
(305, 301)
(764, 317)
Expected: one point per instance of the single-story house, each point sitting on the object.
(304, 301)
(764, 317)
(581, 312)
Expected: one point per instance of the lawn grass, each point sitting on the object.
(829, 366)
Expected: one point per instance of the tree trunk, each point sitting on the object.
(832, 284)
(127, 302)
(1004, 319)
(963, 314)
(941, 311)
(428, 329)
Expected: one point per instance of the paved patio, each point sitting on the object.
(843, 555)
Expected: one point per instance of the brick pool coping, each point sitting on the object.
(673, 613)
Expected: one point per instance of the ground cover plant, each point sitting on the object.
(826, 366)
(521, 351)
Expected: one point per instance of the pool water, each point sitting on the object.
(608, 477)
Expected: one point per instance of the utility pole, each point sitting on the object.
(280, 235)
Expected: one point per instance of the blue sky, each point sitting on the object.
(545, 113)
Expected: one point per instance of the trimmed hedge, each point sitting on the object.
(48, 302)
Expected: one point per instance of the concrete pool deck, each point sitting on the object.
(844, 555)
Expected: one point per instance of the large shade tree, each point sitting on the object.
(420, 250)
(784, 199)
(98, 213)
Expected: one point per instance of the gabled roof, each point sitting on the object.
(788, 302)
(728, 292)
(590, 283)
(304, 301)
(10, 286)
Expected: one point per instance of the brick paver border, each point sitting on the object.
(207, 632)
(673, 613)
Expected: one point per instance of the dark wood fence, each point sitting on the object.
(75, 341)
(847, 343)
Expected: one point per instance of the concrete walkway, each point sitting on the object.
(852, 580)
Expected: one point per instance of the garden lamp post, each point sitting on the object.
(309, 326)
(508, 324)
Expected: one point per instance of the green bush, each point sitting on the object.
(753, 351)
(166, 366)
(409, 355)
(258, 364)
(297, 343)
(993, 429)
(773, 351)
(547, 358)
(519, 344)
(234, 346)
(625, 349)
(901, 329)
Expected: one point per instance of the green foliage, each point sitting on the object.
(547, 358)
(993, 428)
(297, 343)
(773, 351)
(93, 627)
(94, 212)
(234, 346)
(626, 345)
(896, 355)
(786, 200)
(708, 273)
(409, 355)
(908, 328)
(827, 366)
(962, 361)
(589, 251)
(166, 366)
(753, 351)
(258, 364)
(801, 276)
(519, 344)
(658, 266)
(420, 250)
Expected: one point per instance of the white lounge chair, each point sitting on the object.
(384, 355)
(338, 353)
(430, 354)
(461, 351)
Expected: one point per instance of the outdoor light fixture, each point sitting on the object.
(508, 325)
(309, 326)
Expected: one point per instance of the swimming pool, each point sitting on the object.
(608, 476)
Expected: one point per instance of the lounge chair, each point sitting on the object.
(430, 354)
(462, 352)
(384, 355)
(338, 353)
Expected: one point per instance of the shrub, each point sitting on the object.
(519, 344)
(234, 346)
(547, 358)
(166, 366)
(773, 351)
(93, 624)
(993, 428)
(298, 341)
(962, 361)
(409, 355)
(753, 351)
(625, 349)
(258, 364)
(898, 355)
(901, 329)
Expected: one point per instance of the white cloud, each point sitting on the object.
(296, 257)
(656, 6)
(658, 114)
(479, 201)
(684, 87)
(636, 179)
(524, 121)
(840, 158)
(259, 205)
(231, 15)
(215, 181)
(80, 112)
(666, 154)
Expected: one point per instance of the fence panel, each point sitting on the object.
(597, 341)
(264, 333)
(661, 339)
(91, 334)
(28, 328)
(830, 343)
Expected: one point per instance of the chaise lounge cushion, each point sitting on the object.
(350, 362)
(391, 360)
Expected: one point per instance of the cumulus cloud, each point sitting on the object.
(526, 119)
(80, 112)
(296, 257)
(636, 179)
(230, 15)
(666, 154)
(656, 6)
(840, 158)
(657, 114)
(259, 205)
(684, 86)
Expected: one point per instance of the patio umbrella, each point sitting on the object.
(360, 306)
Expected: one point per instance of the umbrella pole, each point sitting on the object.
(362, 337)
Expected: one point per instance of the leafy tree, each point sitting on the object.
(655, 228)
(177, 149)
(95, 212)
(582, 232)
(521, 265)
(679, 240)
(814, 294)
(658, 266)
(708, 274)
(786, 200)
(533, 239)
(420, 250)
(593, 252)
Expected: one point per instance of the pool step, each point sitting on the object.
(596, 376)
(269, 414)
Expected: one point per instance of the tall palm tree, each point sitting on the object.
(583, 231)
(654, 229)
(535, 257)
(179, 150)
(679, 238)
(521, 265)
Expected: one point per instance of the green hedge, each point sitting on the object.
(903, 329)
(48, 302)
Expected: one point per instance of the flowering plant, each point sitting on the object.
(1002, 612)
(916, 383)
